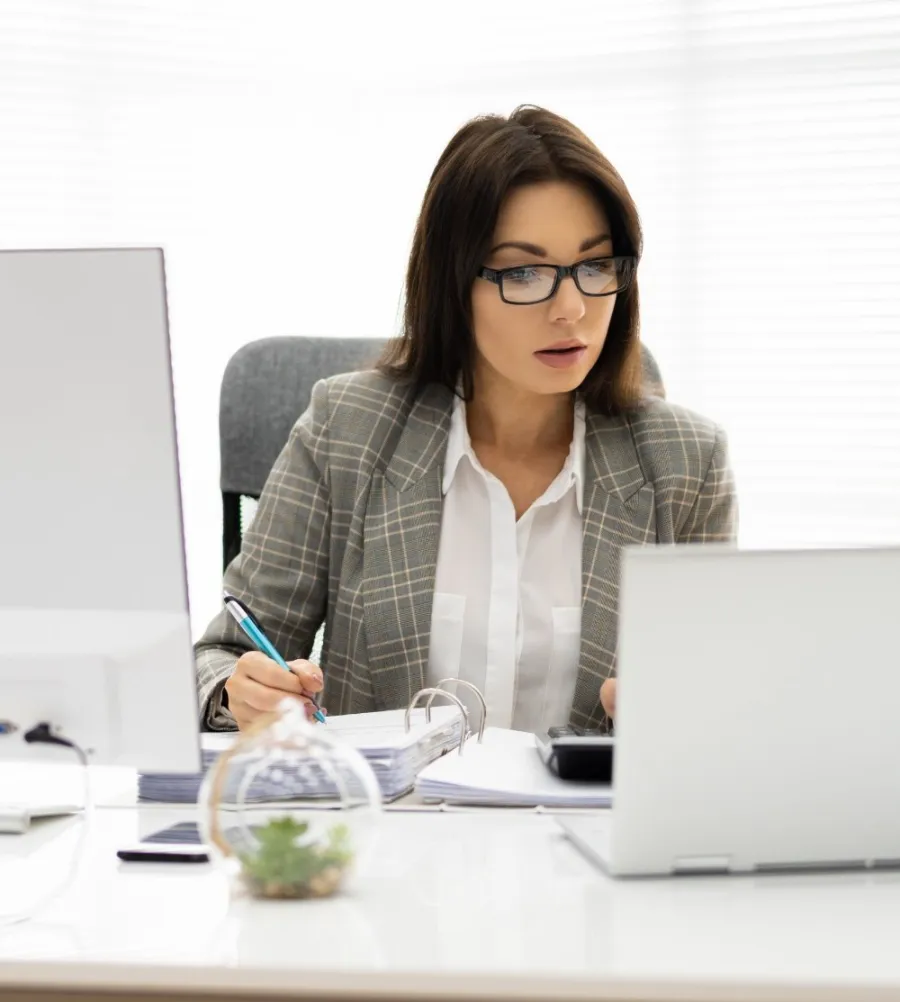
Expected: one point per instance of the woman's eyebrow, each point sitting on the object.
(541, 252)
(594, 242)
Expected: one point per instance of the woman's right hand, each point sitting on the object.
(257, 685)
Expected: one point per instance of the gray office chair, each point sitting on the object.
(266, 386)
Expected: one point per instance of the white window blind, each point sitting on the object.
(796, 156)
(262, 144)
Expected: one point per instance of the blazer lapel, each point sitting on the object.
(402, 534)
(619, 510)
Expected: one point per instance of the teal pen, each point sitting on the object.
(250, 625)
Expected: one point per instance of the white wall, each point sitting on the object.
(263, 143)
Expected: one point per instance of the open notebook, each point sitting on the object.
(395, 755)
(504, 770)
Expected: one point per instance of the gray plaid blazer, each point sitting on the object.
(348, 525)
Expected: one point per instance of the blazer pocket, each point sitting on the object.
(448, 616)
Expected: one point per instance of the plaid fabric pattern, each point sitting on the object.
(348, 526)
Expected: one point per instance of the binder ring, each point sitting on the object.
(459, 681)
(464, 730)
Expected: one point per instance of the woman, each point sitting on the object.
(460, 511)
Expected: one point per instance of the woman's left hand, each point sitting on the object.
(608, 697)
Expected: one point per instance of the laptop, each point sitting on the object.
(758, 713)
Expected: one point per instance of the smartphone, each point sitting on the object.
(578, 755)
(176, 844)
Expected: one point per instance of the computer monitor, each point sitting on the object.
(94, 626)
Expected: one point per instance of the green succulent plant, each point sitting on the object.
(281, 868)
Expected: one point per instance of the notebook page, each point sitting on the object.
(381, 730)
(505, 770)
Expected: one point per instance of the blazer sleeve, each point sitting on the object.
(281, 572)
(714, 514)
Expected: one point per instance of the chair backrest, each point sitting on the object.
(266, 386)
(653, 380)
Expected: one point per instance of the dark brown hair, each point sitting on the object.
(486, 159)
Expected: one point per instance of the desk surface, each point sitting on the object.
(481, 905)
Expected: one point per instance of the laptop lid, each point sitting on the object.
(757, 710)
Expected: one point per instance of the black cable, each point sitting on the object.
(44, 734)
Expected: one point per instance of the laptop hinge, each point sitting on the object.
(702, 864)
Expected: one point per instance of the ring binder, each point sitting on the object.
(503, 769)
(459, 681)
(396, 747)
(464, 730)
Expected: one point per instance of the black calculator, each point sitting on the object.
(577, 753)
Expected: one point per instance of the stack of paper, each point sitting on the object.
(506, 771)
(395, 755)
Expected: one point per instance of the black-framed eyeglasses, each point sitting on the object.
(534, 283)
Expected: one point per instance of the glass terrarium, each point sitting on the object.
(290, 811)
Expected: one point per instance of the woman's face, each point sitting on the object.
(549, 223)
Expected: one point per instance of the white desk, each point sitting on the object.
(490, 905)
